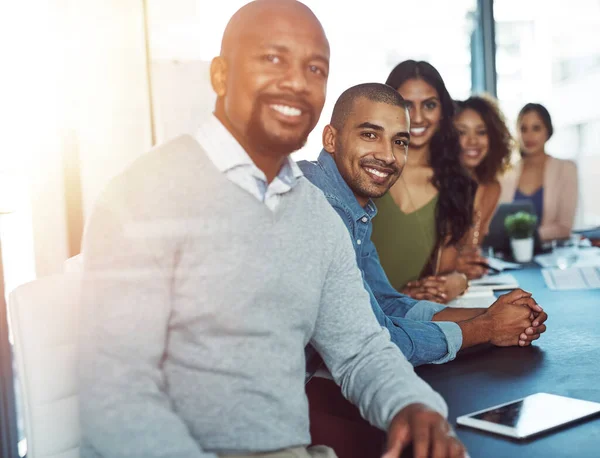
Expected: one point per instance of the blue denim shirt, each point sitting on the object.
(407, 319)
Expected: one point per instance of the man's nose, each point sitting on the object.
(295, 79)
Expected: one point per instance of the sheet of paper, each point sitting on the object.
(494, 282)
(572, 278)
(474, 299)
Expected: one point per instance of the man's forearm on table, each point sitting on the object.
(476, 331)
(457, 314)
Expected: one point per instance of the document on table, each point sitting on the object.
(481, 291)
(572, 278)
(474, 299)
(494, 282)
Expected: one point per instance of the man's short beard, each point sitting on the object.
(264, 141)
(358, 190)
(354, 183)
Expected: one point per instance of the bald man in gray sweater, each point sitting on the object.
(212, 262)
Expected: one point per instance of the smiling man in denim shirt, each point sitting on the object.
(365, 150)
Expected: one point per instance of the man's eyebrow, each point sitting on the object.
(369, 125)
(275, 47)
(322, 57)
(285, 50)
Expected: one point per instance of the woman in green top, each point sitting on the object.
(430, 208)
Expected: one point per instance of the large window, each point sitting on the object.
(367, 40)
(549, 52)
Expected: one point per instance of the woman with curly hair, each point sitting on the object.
(430, 208)
(486, 146)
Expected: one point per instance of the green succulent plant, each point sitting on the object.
(520, 225)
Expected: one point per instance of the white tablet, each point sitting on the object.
(531, 415)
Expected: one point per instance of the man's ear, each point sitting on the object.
(329, 136)
(218, 75)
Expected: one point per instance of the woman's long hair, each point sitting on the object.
(500, 140)
(454, 212)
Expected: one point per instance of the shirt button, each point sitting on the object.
(358, 242)
(364, 219)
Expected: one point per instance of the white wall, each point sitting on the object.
(32, 110)
(48, 212)
(110, 116)
(78, 82)
(182, 96)
(113, 106)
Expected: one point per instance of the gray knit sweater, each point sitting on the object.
(198, 303)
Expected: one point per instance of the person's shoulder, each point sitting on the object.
(563, 166)
(489, 193)
(313, 193)
(165, 166)
(315, 173)
(322, 206)
(569, 164)
(174, 154)
(558, 162)
(492, 188)
(310, 168)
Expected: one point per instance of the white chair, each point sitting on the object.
(43, 317)
(74, 264)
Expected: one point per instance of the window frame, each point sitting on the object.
(8, 414)
(483, 50)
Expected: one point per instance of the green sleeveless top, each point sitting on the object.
(405, 242)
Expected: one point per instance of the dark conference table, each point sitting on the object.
(564, 361)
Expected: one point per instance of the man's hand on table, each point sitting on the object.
(427, 430)
(516, 319)
(534, 331)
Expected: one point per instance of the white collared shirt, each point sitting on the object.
(230, 158)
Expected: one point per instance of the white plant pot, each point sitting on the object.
(522, 249)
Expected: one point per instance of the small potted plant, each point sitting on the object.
(520, 228)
